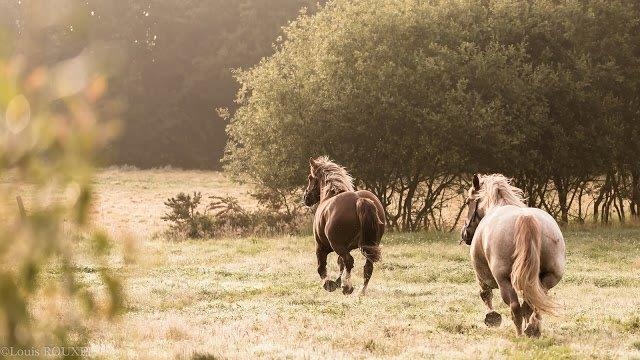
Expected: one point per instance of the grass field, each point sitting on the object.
(261, 297)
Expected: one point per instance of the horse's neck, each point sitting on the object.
(326, 194)
(499, 205)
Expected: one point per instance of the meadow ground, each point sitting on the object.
(261, 297)
(132, 200)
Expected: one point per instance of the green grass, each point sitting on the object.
(261, 298)
(542, 348)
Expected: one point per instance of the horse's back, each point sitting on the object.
(552, 240)
(366, 194)
(337, 221)
(553, 255)
(492, 251)
(337, 217)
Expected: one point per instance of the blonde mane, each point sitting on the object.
(336, 179)
(496, 190)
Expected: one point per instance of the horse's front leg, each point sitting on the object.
(491, 318)
(321, 254)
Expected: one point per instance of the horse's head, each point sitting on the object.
(326, 179)
(312, 192)
(474, 213)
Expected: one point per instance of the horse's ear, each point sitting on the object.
(476, 182)
(312, 164)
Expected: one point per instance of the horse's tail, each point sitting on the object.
(525, 273)
(370, 226)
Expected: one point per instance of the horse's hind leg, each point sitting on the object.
(527, 311)
(510, 297)
(531, 320)
(534, 318)
(368, 271)
(341, 265)
(491, 318)
(321, 254)
(347, 288)
(532, 328)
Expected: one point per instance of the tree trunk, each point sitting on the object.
(635, 194)
(601, 197)
(617, 196)
(580, 194)
(562, 192)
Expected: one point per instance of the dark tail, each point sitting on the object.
(369, 225)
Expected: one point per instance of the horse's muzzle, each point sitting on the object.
(466, 234)
(309, 199)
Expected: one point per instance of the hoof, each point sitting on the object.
(330, 285)
(532, 331)
(347, 290)
(492, 319)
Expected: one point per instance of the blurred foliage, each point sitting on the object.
(413, 97)
(49, 138)
(173, 61)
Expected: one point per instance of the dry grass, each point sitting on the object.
(261, 298)
(252, 298)
(132, 200)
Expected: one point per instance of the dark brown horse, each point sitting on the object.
(345, 220)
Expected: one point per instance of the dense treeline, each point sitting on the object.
(169, 63)
(414, 96)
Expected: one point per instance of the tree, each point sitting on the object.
(382, 89)
(168, 64)
(410, 95)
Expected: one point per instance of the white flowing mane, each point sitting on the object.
(336, 178)
(496, 190)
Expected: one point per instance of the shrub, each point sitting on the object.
(184, 216)
(224, 216)
(228, 216)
